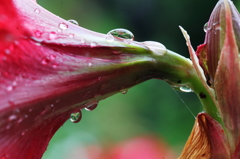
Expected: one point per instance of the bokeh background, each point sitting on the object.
(150, 109)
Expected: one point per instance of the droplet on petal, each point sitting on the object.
(156, 47)
(9, 88)
(73, 21)
(121, 33)
(12, 117)
(52, 35)
(109, 38)
(205, 27)
(93, 44)
(45, 61)
(20, 120)
(71, 35)
(7, 51)
(76, 117)
(90, 64)
(37, 10)
(63, 26)
(38, 33)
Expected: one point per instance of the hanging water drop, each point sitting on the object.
(185, 89)
(91, 105)
(73, 21)
(123, 91)
(76, 117)
(63, 26)
(121, 33)
(205, 27)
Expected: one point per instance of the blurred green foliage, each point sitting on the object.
(151, 107)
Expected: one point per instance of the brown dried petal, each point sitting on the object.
(206, 140)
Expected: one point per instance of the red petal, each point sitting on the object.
(45, 75)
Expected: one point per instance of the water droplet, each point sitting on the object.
(55, 66)
(185, 89)
(30, 110)
(16, 42)
(12, 117)
(59, 30)
(217, 27)
(38, 33)
(76, 117)
(14, 83)
(121, 33)
(123, 91)
(99, 78)
(91, 105)
(45, 61)
(90, 64)
(37, 10)
(52, 35)
(93, 44)
(23, 133)
(156, 47)
(109, 38)
(20, 120)
(52, 57)
(7, 51)
(9, 88)
(38, 44)
(71, 35)
(8, 126)
(73, 21)
(83, 41)
(205, 27)
(63, 26)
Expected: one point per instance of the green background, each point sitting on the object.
(151, 107)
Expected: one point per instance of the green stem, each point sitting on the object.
(178, 71)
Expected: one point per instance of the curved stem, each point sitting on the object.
(179, 71)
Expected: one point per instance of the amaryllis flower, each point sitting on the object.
(50, 69)
(220, 74)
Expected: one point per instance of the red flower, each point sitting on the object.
(50, 68)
